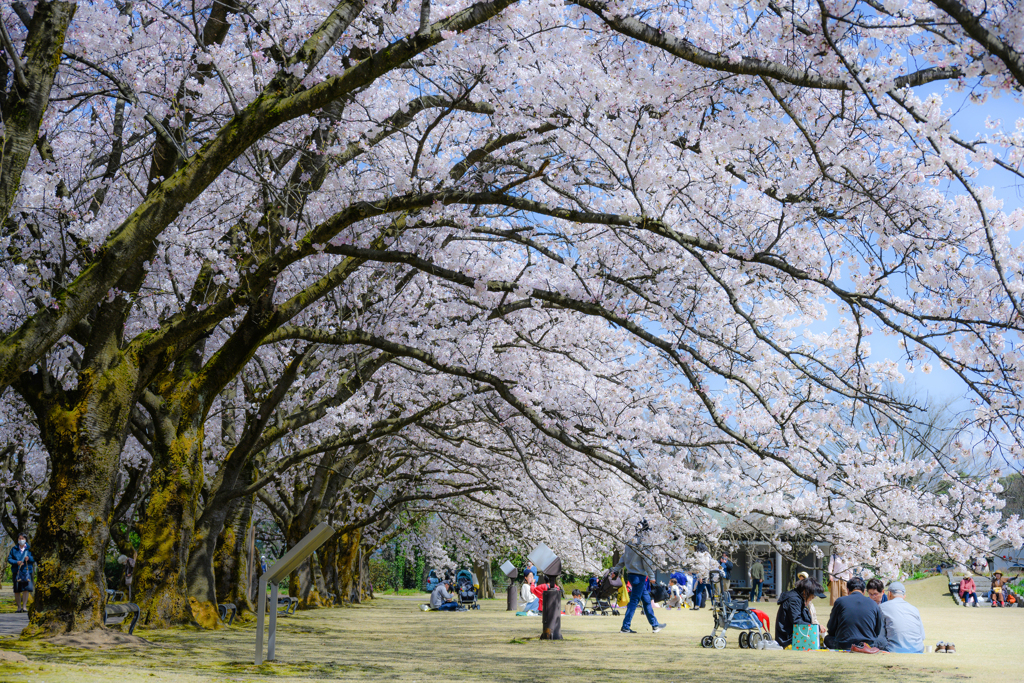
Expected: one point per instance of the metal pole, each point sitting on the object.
(513, 602)
(261, 613)
(272, 636)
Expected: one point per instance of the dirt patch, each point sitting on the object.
(12, 657)
(98, 639)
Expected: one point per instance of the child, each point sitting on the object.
(675, 595)
(575, 606)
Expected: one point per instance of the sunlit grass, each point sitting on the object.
(391, 639)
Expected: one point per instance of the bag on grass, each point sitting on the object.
(805, 637)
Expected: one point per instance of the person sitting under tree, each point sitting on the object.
(855, 619)
(530, 603)
(902, 627)
(442, 598)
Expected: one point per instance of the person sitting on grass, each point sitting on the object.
(876, 591)
(530, 603)
(538, 592)
(901, 622)
(675, 595)
(855, 619)
(793, 610)
(968, 589)
(442, 598)
(822, 631)
(575, 606)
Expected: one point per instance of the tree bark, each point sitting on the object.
(347, 557)
(84, 432)
(166, 533)
(230, 562)
(29, 97)
(483, 575)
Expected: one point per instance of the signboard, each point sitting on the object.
(282, 568)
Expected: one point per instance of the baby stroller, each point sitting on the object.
(601, 592)
(466, 587)
(732, 614)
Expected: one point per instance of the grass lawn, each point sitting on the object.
(391, 639)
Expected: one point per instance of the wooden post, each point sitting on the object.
(551, 621)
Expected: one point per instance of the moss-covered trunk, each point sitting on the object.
(217, 568)
(347, 565)
(307, 582)
(84, 431)
(166, 533)
(231, 558)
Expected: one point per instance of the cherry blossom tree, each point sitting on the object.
(546, 267)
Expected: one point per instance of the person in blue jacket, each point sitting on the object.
(22, 565)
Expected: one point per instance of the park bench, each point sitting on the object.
(290, 604)
(115, 614)
(113, 595)
(224, 609)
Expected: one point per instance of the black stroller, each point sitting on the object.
(466, 588)
(601, 592)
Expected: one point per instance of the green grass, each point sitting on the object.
(390, 639)
(403, 591)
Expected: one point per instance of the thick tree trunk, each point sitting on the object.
(166, 532)
(329, 567)
(84, 433)
(483, 575)
(346, 563)
(231, 559)
(306, 583)
(217, 568)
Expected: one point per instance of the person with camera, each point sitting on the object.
(638, 568)
(22, 565)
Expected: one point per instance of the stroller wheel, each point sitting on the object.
(743, 640)
(706, 641)
(615, 612)
(754, 639)
(719, 643)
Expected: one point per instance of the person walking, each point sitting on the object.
(22, 566)
(756, 580)
(638, 568)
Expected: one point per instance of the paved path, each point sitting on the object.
(11, 623)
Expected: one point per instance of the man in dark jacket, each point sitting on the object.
(726, 564)
(793, 610)
(855, 619)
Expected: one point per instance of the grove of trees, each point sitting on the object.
(497, 272)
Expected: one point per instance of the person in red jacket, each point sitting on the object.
(968, 589)
(538, 590)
